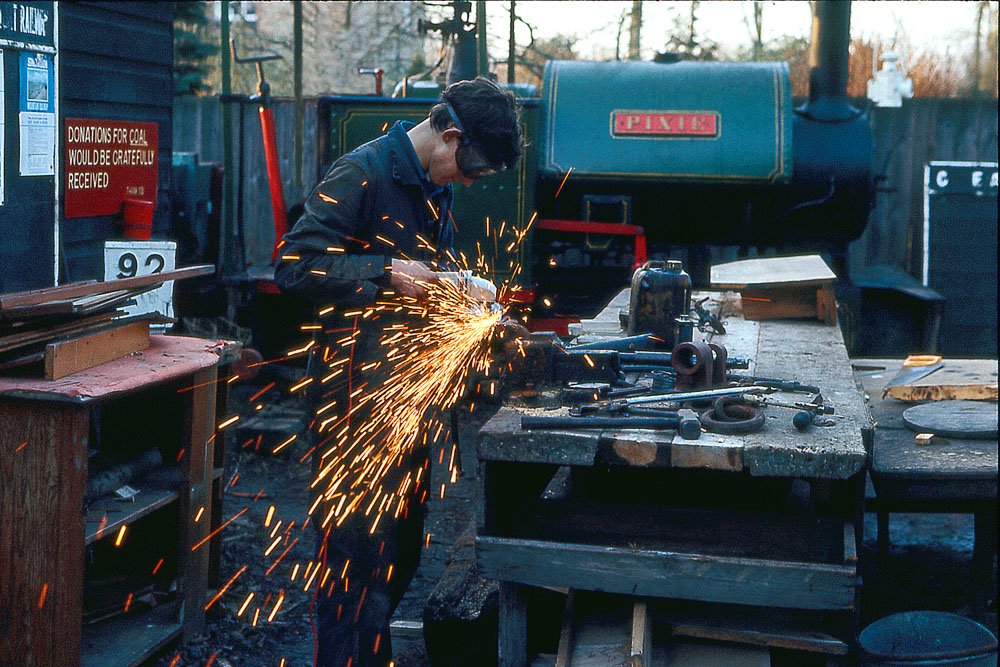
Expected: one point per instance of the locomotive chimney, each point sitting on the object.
(828, 54)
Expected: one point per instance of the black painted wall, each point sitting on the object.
(26, 216)
(116, 63)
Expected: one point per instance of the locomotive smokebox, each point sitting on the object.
(710, 153)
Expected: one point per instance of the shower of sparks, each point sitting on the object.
(430, 358)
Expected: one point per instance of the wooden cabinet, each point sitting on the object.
(107, 581)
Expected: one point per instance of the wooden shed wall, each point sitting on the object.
(116, 62)
(906, 139)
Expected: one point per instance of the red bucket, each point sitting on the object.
(137, 216)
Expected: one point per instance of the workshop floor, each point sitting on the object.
(930, 564)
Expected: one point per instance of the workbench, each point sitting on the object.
(108, 581)
(952, 475)
(735, 523)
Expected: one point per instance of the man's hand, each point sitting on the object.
(410, 278)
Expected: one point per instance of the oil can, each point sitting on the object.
(661, 291)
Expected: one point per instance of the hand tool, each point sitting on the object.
(807, 412)
(629, 344)
(684, 421)
(729, 416)
(776, 383)
(680, 397)
(706, 320)
(915, 367)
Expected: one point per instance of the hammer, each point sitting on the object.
(685, 421)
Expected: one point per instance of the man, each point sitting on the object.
(365, 230)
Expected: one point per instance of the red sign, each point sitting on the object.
(107, 162)
(666, 123)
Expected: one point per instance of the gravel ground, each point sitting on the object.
(930, 568)
(284, 480)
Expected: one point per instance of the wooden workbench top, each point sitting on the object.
(896, 456)
(167, 358)
(808, 351)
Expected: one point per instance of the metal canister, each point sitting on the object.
(661, 291)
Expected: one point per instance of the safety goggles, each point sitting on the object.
(470, 161)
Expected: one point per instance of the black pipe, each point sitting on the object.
(828, 56)
(686, 423)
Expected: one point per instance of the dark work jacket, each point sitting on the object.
(372, 204)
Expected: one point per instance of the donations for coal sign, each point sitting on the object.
(107, 162)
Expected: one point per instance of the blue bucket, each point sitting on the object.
(927, 638)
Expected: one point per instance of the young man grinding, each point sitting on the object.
(357, 238)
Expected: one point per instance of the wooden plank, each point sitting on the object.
(812, 353)
(641, 652)
(710, 451)
(74, 290)
(32, 336)
(958, 379)
(168, 358)
(695, 653)
(798, 270)
(43, 471)
(130, 639)
(89, 350)
(654, 573)
(512, 639)
(602, 632)
(625, 522)
(776, 303)
(794, 630)
(565, 650)
(197, 462)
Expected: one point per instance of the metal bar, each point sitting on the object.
(226, 251)
(694, 395)
(299, 108)
(482, 59)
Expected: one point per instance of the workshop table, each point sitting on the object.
(953, 475)
(770, 519)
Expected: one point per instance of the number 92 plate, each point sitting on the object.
(127, 259)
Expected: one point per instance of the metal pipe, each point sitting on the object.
(482, 56)
(297, 84)
(226, 251)
(694, 395)
(511, 54)
(828, 57)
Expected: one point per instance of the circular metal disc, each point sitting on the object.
(956, 419)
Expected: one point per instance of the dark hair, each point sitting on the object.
(488, 113)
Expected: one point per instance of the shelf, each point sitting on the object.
(128, 640)
(156, 490)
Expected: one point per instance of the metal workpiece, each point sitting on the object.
(679, 397)
(684, 421)
(629, 344)
(777, 383)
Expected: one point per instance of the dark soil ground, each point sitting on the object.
(930, 561)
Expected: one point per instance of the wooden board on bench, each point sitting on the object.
(781, 287)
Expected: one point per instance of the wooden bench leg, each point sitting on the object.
(512, 648)
(984, 547)
(881, 559)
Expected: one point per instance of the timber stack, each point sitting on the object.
(57, 331)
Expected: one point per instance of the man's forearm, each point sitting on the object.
(325, 278)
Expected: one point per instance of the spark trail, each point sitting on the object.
(430, 356)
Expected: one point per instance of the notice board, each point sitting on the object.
(107, 162)
(960, 253)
